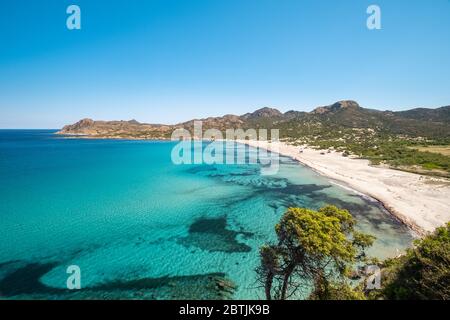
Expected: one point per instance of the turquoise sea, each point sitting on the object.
(141, 227)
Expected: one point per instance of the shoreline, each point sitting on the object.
(100, 137)
(417, 231)
(420, 202)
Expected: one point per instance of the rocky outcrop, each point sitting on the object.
(116, 129)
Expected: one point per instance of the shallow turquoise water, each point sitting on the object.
(141, 227)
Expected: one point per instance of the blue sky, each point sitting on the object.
(165, 61)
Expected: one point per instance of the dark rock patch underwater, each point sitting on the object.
(212, 234)
(24, 283)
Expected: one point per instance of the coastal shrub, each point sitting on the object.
(314, 248)
(423, 272)
(336, 290)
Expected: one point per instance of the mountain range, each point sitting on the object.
(342, 115)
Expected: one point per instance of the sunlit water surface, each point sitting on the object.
(140, 227)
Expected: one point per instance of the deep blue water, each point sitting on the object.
(141, 227)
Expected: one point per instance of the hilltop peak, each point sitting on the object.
(83, 123)
(263, 113)
(86, 120)
(133, 121)
(344, 104)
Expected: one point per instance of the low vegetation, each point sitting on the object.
(443, 150)
(422, 273)
(320, 250)
(398, 152)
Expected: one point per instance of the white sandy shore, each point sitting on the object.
(421, 202)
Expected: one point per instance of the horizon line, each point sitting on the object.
(222, 115)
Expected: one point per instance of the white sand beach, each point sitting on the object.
(421, 202)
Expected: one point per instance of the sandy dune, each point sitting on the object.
(421, 202)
